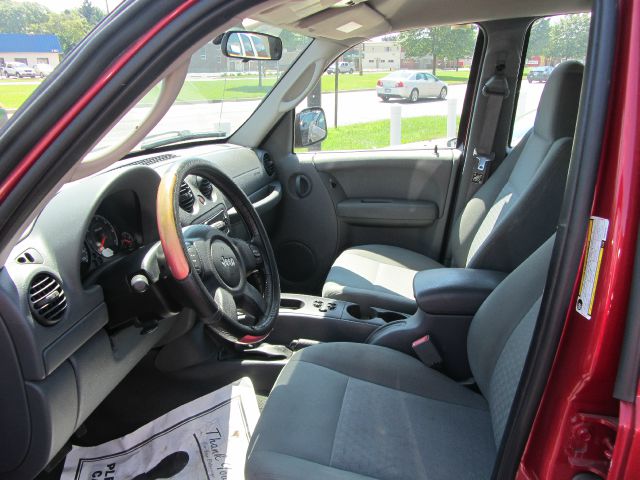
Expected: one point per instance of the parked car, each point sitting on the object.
(539, 74)
(43, 69)
(411, 85)
(343, 67)
(19, 70)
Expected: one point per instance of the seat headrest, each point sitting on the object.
(558, 109)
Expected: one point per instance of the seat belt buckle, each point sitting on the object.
(426, 351)
(481, 169)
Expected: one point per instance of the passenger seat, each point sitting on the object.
(510, 216)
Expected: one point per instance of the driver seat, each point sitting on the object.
(358, 411)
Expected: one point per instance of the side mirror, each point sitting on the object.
(251, 46)
(310, 127)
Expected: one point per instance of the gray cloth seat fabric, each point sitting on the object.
(357, 411)
(506, 219)
(380, 271)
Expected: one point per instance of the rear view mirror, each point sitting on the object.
(310, 127)
(251, 46)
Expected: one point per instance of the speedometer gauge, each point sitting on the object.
(103, 237)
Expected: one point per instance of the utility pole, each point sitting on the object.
(335, 109)
(106, 3)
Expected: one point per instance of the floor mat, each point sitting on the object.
(203, 439)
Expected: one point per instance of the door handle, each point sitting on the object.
(302, 185)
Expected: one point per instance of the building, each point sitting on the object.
(381, 56)
(29, 49)
(208, 59)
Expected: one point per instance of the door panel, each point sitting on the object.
(391, 197)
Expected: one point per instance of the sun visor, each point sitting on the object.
(359, 21)
(285, 13)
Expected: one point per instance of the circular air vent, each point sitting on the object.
(205, 187)
(269, 166)
(187, 199)
(47, 300)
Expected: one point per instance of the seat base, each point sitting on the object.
(386, 416)
(377, 276)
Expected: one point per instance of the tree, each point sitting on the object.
(69, 26)
(569, 37)
(91, 13)
(449, 42)
(292, 41)
(21, 17)
(539, 38)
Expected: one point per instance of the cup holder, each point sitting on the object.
(361, 313)
(368, 313)
(291, 303)
(391, 316)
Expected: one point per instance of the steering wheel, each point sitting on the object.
(211, 268)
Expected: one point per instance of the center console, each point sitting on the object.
(327, 320)
(448, 299)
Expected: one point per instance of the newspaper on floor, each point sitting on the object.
(203, 439)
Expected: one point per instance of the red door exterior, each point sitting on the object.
(578, 420)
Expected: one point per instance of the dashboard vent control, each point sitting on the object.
(29, 256)
(186, 199)
(206, 187)
(269, 166)
(47, 300)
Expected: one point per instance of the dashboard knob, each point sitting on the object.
(139, 283)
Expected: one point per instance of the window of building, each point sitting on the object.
(20, 60)
(41, 60)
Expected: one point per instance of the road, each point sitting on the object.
(353, 107)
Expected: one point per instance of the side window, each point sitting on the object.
(389, 101)
(552, 40)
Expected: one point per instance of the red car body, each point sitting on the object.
(579, 424)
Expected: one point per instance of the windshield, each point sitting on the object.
(217, 97)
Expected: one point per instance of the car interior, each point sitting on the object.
(381, 301)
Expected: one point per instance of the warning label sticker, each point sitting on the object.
(596, 238)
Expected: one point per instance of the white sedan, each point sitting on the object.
(411, 85)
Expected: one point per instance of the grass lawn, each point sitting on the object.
(364, 136)
(14, 95)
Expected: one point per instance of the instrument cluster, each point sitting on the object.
(114, 231)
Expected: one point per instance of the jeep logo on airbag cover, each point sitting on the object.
(226, 263)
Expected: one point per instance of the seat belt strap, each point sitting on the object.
(496, 90)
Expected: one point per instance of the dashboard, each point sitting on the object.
(113, 231)
(61, 352)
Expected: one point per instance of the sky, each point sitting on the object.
(61, 5)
